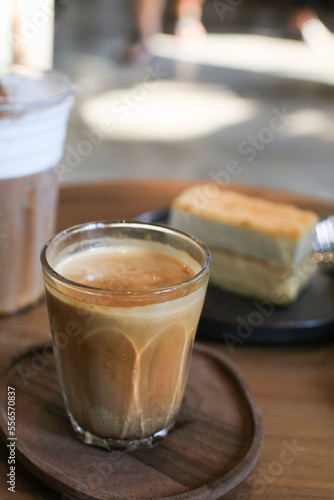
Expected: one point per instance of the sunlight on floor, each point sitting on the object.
(272, 56)
(165, 111)
(312, 123)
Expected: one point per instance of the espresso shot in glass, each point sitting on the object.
(124, 301)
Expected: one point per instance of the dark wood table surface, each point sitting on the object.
(293, 385)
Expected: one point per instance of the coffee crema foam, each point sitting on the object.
(157, 266)
(124, 369)
(125, 268)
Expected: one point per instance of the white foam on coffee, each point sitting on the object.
(32, 139)
(158, 309)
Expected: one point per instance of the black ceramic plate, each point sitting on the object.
(236, 320)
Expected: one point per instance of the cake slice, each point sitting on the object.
(260, 248)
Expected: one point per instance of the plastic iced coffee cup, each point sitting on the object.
(124, 301)
(34, 110)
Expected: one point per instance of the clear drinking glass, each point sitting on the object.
(123, 356)
(34, 110)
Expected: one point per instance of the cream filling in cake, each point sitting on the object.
(257, 278)
(281, 250)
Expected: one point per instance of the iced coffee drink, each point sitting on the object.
(34, 109)
(124, 301)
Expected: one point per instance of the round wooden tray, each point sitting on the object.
(214, 445)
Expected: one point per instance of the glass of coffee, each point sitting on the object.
(34, 110)
(124, 300)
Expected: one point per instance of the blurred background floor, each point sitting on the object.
(247, 104)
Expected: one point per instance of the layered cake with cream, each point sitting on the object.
(260, 249)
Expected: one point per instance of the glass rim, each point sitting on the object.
(100, 224)
(69, 88)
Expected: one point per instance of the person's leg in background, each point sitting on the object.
(189, 16)
(147, 17)
(147, 21)
(305, 23)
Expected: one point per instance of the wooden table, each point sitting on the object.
(294, 386)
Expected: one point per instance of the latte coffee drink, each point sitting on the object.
(124, 301)
(34, 109)
(27, 218)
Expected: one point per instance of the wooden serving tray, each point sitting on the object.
(214, 445)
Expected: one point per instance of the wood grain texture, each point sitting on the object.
(212, 447)
(294, 386)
